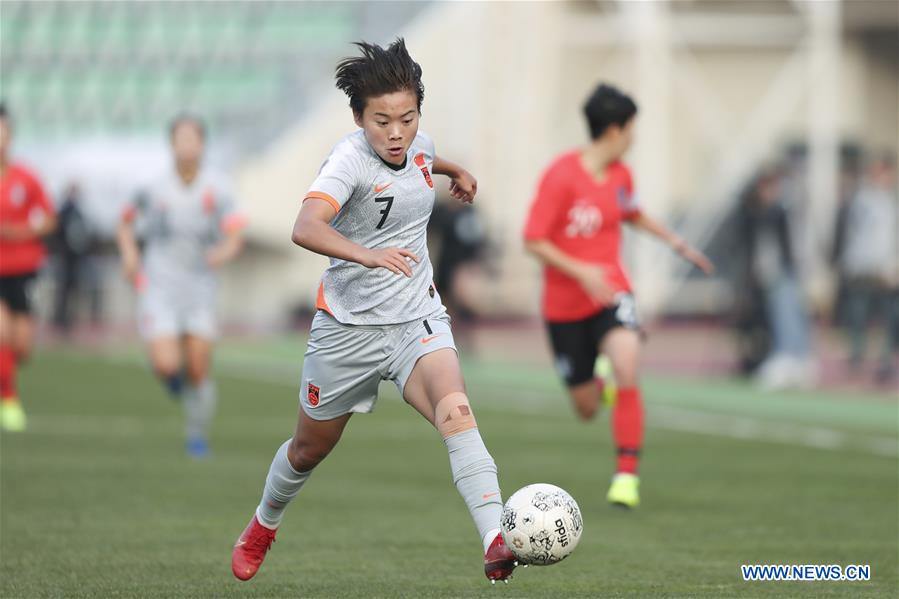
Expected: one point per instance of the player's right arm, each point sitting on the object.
(545, 217)
(313, 231)
(590, 276)
(127, 242)
(338, 177)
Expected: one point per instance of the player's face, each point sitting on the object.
(390, 123)
(187, 143)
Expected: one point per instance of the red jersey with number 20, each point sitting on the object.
(581, 215)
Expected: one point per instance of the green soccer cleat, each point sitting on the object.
(624, 491)
(603, 369)
(12, 416)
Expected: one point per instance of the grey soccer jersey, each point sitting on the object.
(179, 223)
(378, 207)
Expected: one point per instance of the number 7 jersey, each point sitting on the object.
(378, 205)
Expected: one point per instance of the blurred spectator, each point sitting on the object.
(850, 178)
(461, 239)
(73, 244)
(774, 318)
(869, 261)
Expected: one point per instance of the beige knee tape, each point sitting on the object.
(453, 415)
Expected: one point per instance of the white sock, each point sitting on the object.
(488, 538)
(474, 474)
(199, 408)
(281, 485)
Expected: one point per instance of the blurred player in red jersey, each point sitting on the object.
(574, 229)
(26, 216)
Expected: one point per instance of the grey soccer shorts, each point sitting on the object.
(345, 363)
(167, 313)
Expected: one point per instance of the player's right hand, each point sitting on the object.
(393, 259)
(593, 279)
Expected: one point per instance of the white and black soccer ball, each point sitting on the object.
(541, 524)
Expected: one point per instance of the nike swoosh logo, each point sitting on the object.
(489, 495)
(239, 543)
(431, 338)
(380, 188)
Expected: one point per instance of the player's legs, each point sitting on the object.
(22, 336)
(574, 345)
(11, 415)
(436, 389)
(434, 377)
(585, 398)
(340, 376)
(294, 461)
(162, 329)
(167, 362)
(16, 342)
(622, 345)
(200, 395)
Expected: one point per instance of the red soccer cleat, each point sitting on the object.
(499, 561)
(250, 549)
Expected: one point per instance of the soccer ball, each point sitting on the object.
(541, 524)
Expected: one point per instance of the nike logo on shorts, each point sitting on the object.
(431, 338)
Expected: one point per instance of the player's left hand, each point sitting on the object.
(697, 258)
(463, 187)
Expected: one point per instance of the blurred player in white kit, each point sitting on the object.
(188, 221)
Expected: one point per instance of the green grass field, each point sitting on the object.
(98, 499)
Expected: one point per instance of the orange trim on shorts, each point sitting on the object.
(323, 196)
(320, 302)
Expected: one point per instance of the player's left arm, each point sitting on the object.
(41, 217)
(646, 223)
(463, 186)
(232, 223)
(227, 249)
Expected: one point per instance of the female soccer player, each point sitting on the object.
(379, 316)
(191, 227)
(574, 229)
(26, 217)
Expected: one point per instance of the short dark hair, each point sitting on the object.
(377, 72)
(187, 118)
(4, 112)
(608, 106)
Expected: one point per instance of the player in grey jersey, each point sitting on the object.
(190, 225)
(379, 316)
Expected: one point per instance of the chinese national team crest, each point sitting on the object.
(420, 163)
(313, 395)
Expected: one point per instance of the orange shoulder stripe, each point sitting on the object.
(323, 196)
